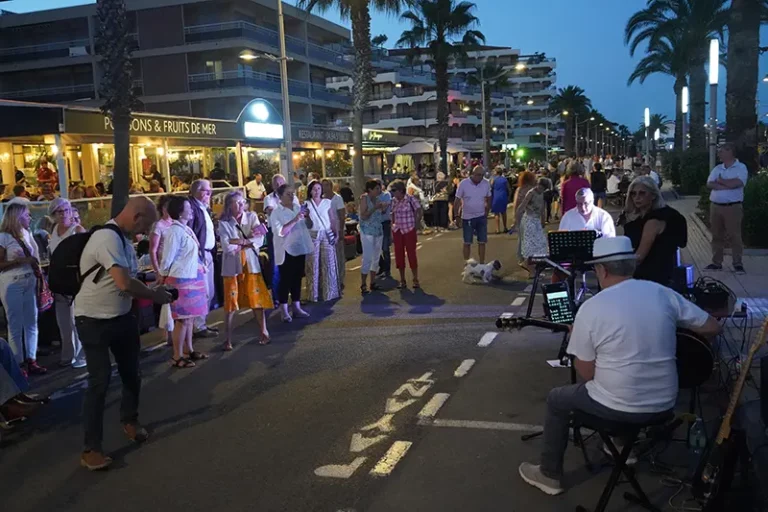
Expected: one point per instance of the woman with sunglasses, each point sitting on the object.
(72, 353)
(656, 231)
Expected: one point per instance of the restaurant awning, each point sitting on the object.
(416, 147)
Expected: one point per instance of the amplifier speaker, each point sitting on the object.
(682, 279)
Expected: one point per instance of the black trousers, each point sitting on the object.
(385, 261)
(291, 273)
(120, 336)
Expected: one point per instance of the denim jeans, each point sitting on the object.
(560, 403)
(385, 262)
(19, 295)
(71, 349)
(119, 335)
(12, 381)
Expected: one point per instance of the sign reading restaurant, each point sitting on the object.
(322, 135)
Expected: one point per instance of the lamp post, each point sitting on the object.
(647, 135)
(684, 108)
(586, 151)
(284, 90)
(486, 144)
(714, 68)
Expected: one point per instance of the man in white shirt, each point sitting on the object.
(255, 188)
(726, 211)
(624, 345)
(200, 196)
(106, 324)
(473, 201)
(587, 216)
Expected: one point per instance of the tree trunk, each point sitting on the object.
(441, 81)
(741, 90)
(698, 108)
(679, 116)
(122, 169)
(568, 137)
(361, 88)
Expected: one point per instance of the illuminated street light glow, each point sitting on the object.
(686, 100)
(647, 117)
(714, 61)
(519, 66)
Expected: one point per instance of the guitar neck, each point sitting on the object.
(725, 426)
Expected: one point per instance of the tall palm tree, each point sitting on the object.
(626, 137)
(692, 23)
(359, 12)
(116, 87)
(446, 30)
(496, 78)
(572, 100)
(667, 56)
(741, 89)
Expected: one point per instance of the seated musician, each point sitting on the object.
(624, 344)
(587, 216)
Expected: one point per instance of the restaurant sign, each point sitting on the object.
(322, 135)
(95, 123)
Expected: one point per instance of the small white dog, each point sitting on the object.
(476, 273)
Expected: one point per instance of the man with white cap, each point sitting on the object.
(624, 343)
(587, 216)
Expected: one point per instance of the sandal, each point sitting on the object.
(264, 339)
(416, 285)
(402, 286)
(182, 362)
(197, 356)
(227, 347)
(364, 289)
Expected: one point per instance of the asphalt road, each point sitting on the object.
(341, 412)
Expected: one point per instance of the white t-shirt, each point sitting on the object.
(734, 195)
(655, 177)
(271, 202)
(613, 184)
(255, 190)
(320, 215)
(13, 251)
(337, 203)
(104, 299)
(629, 330)
(600, 221)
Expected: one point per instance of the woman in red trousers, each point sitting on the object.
(406, 217)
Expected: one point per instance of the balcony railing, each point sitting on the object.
(263, 81)
(43, 51)
(67, 92)
(263, 35)
(138, 87)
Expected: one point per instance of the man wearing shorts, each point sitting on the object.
(473, 200)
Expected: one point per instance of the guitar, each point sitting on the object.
(711, 470)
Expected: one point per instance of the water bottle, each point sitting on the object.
(697, 439)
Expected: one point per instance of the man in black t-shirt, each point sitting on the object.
(599, 184)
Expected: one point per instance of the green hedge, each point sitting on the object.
(687, 170)
(755, 212)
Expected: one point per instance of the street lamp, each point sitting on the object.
(684, 108)
(647, 135)
(714, 69)
(486, 143)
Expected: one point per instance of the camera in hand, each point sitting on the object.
(174, 293)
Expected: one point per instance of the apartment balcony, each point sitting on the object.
(263, 35)
(62, 49)
(395, 121)
(550, 77)
(52, 94)
(138, 87)
(264, 82)
(402, 97)
(545, 91)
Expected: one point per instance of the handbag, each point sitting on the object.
(328, 233)
(44, 295)
(264, 263)
(166, 318)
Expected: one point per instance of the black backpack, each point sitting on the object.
(64, 275)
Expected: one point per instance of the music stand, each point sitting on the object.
(571, 247)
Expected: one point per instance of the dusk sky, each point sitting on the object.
(585, 36)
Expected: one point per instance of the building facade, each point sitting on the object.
(198, 58)
(404, 98)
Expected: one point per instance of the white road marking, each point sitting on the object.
(360, 443)
(419, 246)
(528, 288)
(395, 454)
(384, 424)
(244, 312)
(486, 425)
(487, 339)
(215, 324)
(356, 268)
(340, 470)
(155, 347)
(519, 301)
(430, 238)
(439, 234)
(416, 389)
(429, 411)
(424, 378)
(464, 368)
(394, 405)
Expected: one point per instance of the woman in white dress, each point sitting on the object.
(532, 216)
(72, 353)
(322, 282)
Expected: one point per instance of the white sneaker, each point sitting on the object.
(532, 474)
(631, 460)
(79, 363)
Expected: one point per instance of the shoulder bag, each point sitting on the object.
(264, 263)
(328, 233)
(44, 295)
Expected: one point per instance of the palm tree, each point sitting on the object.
(692, 23)
(114, 46)
(446, 30)
(571, 103)
(626, 137)
(741, 89)
(496, 78)
(666, 56)
(359, 12)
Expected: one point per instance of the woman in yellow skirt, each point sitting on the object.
(241, 235)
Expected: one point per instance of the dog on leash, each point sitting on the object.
(480, 273)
